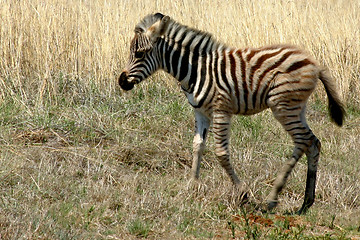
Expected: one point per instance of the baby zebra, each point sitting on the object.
(220, 81)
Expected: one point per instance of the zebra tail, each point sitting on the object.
(336, 108)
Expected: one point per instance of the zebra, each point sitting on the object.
(221, 81)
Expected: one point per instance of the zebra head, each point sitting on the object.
(143, 60)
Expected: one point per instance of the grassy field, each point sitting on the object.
(81, 159)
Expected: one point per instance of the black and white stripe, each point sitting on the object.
(220, 81)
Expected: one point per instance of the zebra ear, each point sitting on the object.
(158, 29)
(164, 25)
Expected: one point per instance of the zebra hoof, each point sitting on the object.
(196, 187)
(271, 204)
(239, 196)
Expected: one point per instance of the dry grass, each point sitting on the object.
(79, 159)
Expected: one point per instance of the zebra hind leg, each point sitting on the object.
(312, 155)
(305, 141)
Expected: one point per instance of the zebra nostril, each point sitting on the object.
(124, 83)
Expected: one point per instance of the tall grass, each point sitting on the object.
(80, 159)
(90, 39)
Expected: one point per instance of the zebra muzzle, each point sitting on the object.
(124, 83)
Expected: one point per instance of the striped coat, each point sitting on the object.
(221, 81)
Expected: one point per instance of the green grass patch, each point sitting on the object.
(110, 165)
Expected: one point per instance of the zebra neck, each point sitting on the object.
(184, 51)
(176, 61)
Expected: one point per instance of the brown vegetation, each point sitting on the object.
(81, 159)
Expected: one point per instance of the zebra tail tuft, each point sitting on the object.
(336, 108)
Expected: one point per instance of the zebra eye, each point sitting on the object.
(139, 54)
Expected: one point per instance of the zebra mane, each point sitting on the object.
(190, 30)
(149, 20)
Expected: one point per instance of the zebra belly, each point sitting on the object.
(253, 111)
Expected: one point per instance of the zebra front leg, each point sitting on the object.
(221, 128)
(202, 124)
